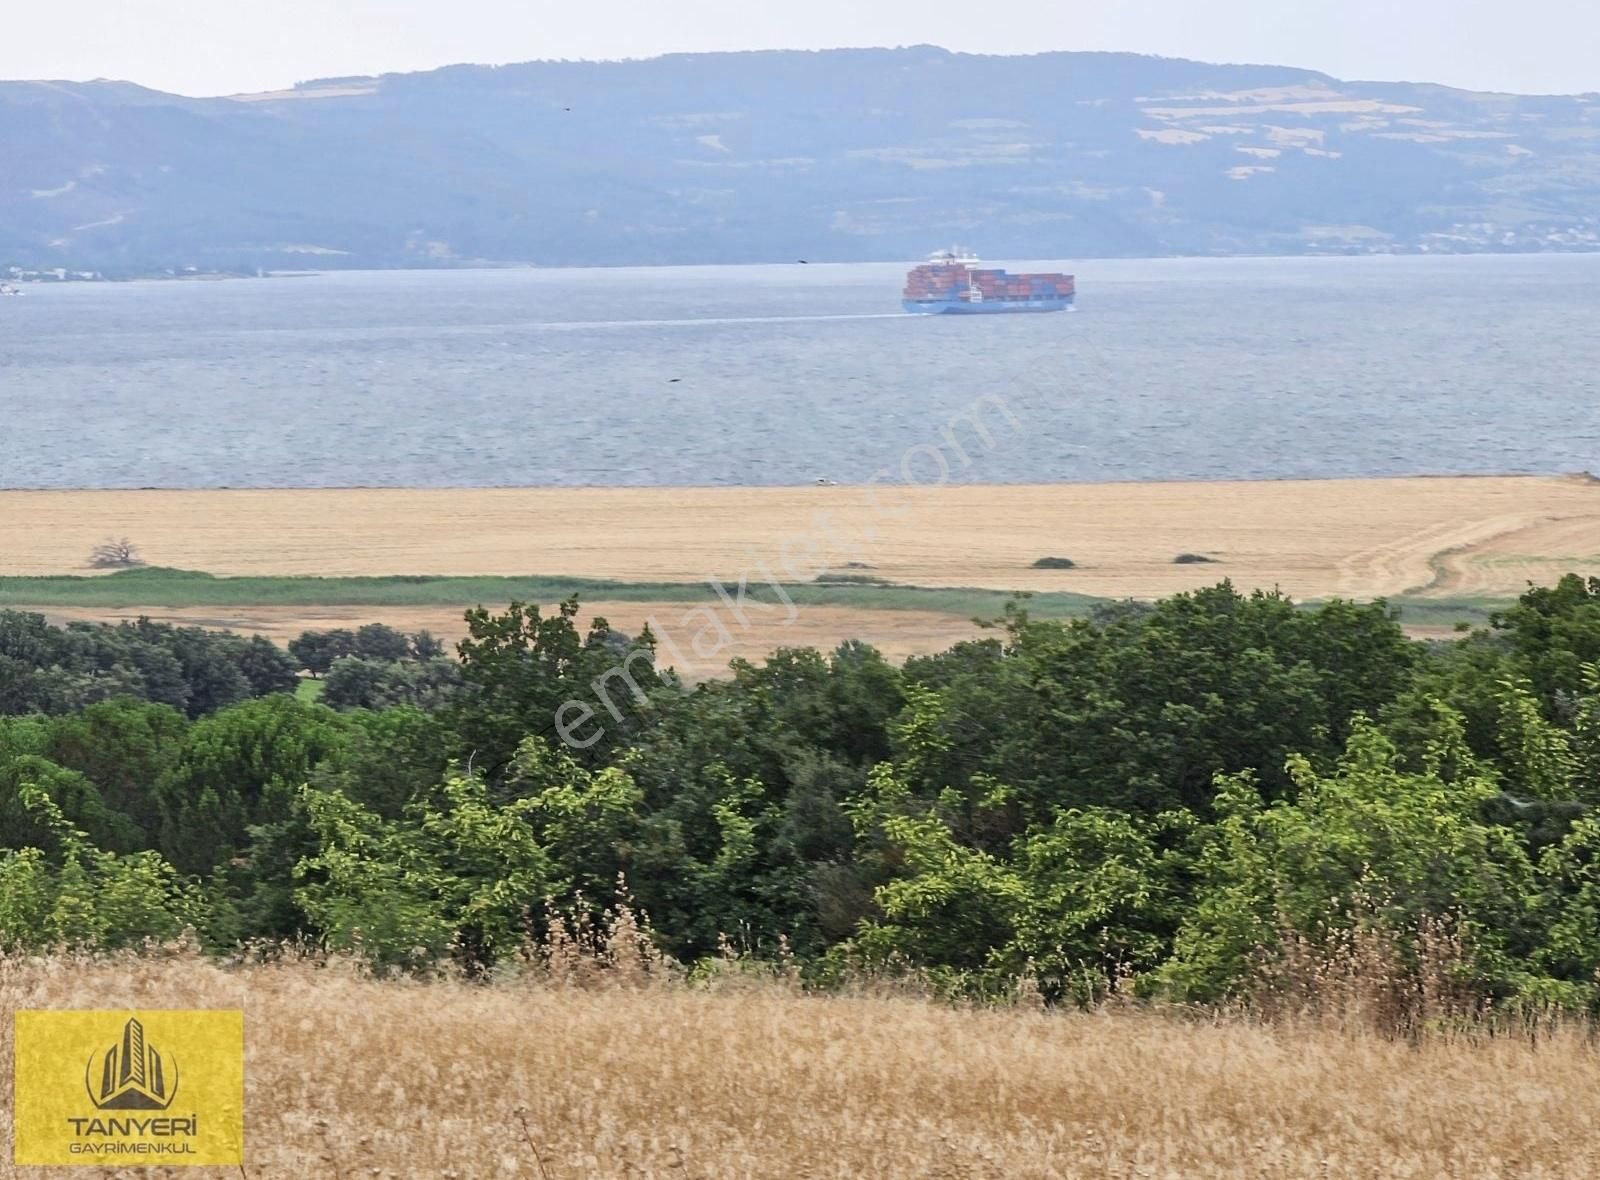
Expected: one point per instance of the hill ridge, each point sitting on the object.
(828, 155)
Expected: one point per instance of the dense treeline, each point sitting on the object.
(1173, 793)
(45, 669)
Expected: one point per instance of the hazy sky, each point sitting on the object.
(224, 46)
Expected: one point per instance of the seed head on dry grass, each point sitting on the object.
(359, 1077)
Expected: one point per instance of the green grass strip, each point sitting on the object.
(182, 588)
(172, 589)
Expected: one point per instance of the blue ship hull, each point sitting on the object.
(987, 307)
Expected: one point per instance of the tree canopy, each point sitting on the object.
(1165, 795)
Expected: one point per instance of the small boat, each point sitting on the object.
(8, 289)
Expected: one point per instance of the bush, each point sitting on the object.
(115, 554)
(851, 580)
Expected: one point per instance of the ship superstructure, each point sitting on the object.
(951, 282)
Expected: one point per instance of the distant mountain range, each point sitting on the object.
(777, 156)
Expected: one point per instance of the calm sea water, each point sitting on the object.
(780, 375)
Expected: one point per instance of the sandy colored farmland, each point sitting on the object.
(347, 1077)
(1313, 538)
(896, 633)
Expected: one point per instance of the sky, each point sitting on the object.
(209, 47)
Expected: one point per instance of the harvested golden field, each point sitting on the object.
(898, 634)
(348, 1077)
(1314, 539)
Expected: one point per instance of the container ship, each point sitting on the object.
(950, 283)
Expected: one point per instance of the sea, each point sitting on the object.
(1182, 369)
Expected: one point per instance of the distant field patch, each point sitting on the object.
(186, 588)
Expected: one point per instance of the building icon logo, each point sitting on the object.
(131, 1075)
(99, 1088)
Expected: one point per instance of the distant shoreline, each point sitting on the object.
(477, 265)
(1245, 481)
(35, 278)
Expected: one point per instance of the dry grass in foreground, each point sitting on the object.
(426, 1080)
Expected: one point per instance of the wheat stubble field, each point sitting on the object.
(1314, 538)
(349, 1077)
(898, 634)
(1425, 538)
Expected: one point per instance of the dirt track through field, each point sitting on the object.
(1314, 539)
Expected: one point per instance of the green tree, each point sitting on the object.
(460, 875)
(1142, 711)
(522, 668)
(1370, 833)
(317, 651)
(1555, 631)
(124, 747)
(27, 780)
(1094, 894)
(356, 683)
(1568, 954)
(382, 643)
(426, 646)
(89, 897)
(267, 667)
(240, 768)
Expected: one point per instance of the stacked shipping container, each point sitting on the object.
(950, 283)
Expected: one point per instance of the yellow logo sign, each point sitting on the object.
(132, 1075)
(129, 1088)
